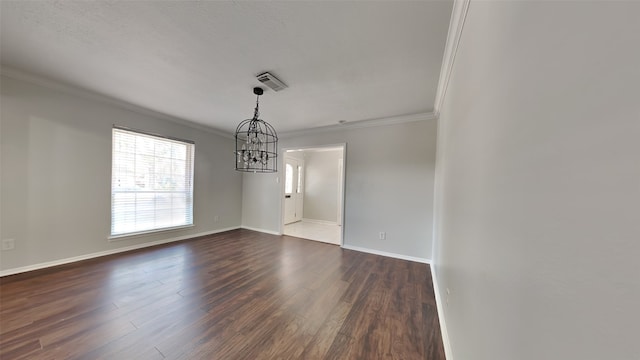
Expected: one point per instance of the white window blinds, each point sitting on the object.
(151, 184)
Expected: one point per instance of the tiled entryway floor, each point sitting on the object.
(314, 231)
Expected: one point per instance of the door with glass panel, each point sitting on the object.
(293, 193)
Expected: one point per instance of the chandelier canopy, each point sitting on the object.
(256, 143)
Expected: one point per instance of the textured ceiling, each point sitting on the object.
(197, 61)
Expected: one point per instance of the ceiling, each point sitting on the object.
(197, 61)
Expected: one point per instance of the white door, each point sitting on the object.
(293, 192)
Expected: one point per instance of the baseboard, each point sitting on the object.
(387, 254)
(441, 318)
(105, 253)
(260, 230)
(323, 222)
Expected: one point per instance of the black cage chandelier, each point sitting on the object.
(256, 143)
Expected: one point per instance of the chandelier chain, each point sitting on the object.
(256, 113)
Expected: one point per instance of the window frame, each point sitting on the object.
(189, 183)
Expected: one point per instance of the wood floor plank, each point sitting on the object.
(321, 342)
(234, 295)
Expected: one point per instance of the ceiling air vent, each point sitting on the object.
(271, 81)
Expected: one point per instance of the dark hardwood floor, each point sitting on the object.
(235, 295)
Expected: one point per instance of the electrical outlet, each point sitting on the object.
(8, 244)
(382, 235)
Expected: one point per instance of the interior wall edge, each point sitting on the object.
(456, 26)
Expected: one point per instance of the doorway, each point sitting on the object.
(313, 193)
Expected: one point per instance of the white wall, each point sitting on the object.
(389, 187)
(56, 174)
(538, 198)
(322, 184)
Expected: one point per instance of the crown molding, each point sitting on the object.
(88, 94)
(393, 120)
(456, 24)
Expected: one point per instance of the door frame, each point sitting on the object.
(343, 183)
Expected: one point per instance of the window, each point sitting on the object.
(299, 187)
(151, 183)
(288, 179)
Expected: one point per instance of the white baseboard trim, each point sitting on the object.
(260, 230)
(323, 222)
(443, 325)
(106, 252)
(387, 254)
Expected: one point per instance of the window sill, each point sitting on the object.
(126, 236)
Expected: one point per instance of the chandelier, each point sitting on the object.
(256, 143)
